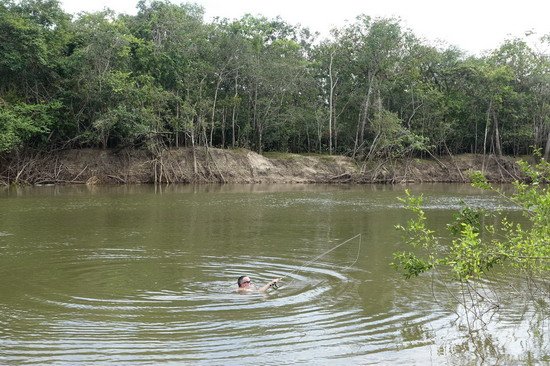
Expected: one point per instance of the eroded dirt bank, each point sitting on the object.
(92, 166)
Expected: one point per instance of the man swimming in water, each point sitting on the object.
(246, 285)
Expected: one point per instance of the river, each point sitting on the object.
(147, 275)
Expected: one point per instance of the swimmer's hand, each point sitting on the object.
(274, 283)
(271, 284)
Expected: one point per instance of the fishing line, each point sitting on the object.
(325, 253)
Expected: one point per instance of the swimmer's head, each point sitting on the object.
(244, 281)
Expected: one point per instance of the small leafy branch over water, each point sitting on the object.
(477, 244)
(476, 248)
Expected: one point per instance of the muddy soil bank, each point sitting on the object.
(92, 166)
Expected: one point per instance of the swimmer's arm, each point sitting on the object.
(269, 285)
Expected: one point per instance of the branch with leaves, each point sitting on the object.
(476, 248)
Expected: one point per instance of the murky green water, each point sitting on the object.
(144, 275)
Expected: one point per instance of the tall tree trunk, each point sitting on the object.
(205, 140)
(104, 140)
(360, 134)
(330, 106)
(177, 123)
(335, 132)
(255, 120)
(487, 124)
(498, 143)
(233, 115)
(547, 149)
(195, 170)
(356, 144)
(319, 134)
(260, 131)
(223, 128)
(214, 109)
(475, 139)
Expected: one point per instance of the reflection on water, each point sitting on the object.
(144, 274)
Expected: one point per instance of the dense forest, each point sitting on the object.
(166, 78)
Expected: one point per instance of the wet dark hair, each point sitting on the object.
(240, 280)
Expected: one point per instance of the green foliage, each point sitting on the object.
(392, 139)
(32, 36)
(165, 76)
(476, 248)
(467, 217)
(23, 123)
(479, 180)
(410, 264)
(421, 236)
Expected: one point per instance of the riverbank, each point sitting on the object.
(93, 166)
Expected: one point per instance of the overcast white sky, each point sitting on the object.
(472, 25)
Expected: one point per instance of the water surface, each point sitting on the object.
(146, 275)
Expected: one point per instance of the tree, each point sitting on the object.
(376, 48)
(528, 112)
(172, 48)
(273, 76)
(24, 123)
(478, 246)
(32, 41)
(173, 79)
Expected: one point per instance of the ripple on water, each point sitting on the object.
(317, 310)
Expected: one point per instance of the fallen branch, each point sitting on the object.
(342, 177)
(217, 167)
(82, 171)
(117, 178)
(21, 171)
(58, 181)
